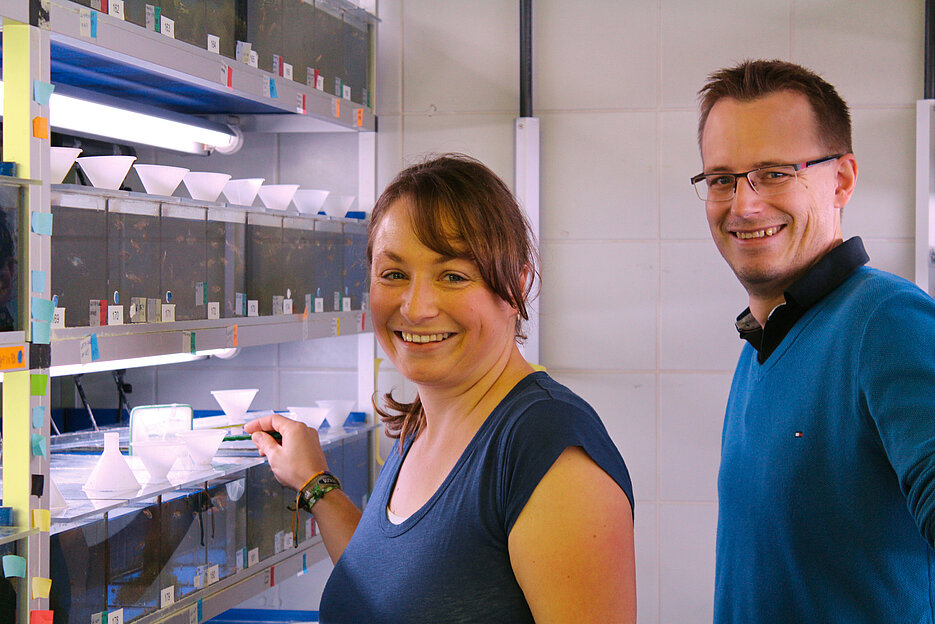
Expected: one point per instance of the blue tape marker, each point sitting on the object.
(41, 222)
(41, 332)
(38, 281)
(38, 416)
(93, 24)
(95, 351)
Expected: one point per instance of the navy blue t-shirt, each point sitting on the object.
(449, 561)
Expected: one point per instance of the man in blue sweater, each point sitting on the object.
(827, 480)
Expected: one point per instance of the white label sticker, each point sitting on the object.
(277, 64)
(277, 304)
(346, 91)
(84, 22)
(319, 304)
(150, 17)
(84, 350)
(254, 59)
(188, 342)
(193, 614)
(287, 71)
(115, 8)
(167, 26)
(253, 557)
(168, 312)
(320, 83)
(201, 293)
(287, 306)
(335, 326)
(214, 44)
(346, 303)
(115, 315)
(199, 579)
(58, 318)
(214, 574)
(239, 304)
(96, 618)
(265, 86)
(287, 540)
(167, 596)
(277, 543)
(214, 310)
(115, 617)
(253, 307)
(242, 52)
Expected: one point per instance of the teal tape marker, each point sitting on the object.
(41, 222)
(41, 332)
(38, 281)
(38, 416)
(14, 565)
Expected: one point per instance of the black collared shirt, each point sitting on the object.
(827, 274)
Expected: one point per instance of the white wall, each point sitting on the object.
(637, 306)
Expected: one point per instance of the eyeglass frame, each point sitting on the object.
(796, 167)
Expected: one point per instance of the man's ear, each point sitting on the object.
(846, 180)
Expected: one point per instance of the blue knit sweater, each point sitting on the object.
(827, 480)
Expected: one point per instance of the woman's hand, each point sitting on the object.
(297, 458)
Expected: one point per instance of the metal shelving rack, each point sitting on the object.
(34, 34)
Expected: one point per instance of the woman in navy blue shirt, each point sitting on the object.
(504, 499)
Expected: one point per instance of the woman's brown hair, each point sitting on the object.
(460, 208)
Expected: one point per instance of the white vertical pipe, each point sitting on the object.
(526, 186)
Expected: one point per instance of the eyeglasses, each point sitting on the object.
(770, 180)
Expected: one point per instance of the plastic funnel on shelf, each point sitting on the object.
(277, 196)
(202, 444)
(112, 473)
(235, 403)
(160, 179)
(338, 409)
(60, 161)
(205, 185)
(158, 456)
(309, 201)
(106, 172)
(314, 417)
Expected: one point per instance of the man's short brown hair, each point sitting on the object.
(753, 79)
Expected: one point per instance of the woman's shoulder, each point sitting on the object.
(540, 402)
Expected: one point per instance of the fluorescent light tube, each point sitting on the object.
(103, 120)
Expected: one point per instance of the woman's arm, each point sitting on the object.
(294, 462)
(571, 547)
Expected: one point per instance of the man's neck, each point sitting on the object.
(762, 307)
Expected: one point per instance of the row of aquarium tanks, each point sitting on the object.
(124, 247)
(330, 36)
(183, 540)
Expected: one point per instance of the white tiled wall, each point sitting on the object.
(637, 306)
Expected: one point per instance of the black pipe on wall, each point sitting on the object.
(525, 57)
(928, 88)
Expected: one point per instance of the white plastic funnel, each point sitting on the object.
(338, 410)
(314, 417)
(160, 179)
(277, 196)
(242, 192)
(57, 502)
(205, 185)
(309, 201)
(235, 403)
(60, 160)
(112, 473)
(106, 172)
(202, 444)
(158, 456)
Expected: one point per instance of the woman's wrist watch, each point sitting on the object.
(315, 488)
